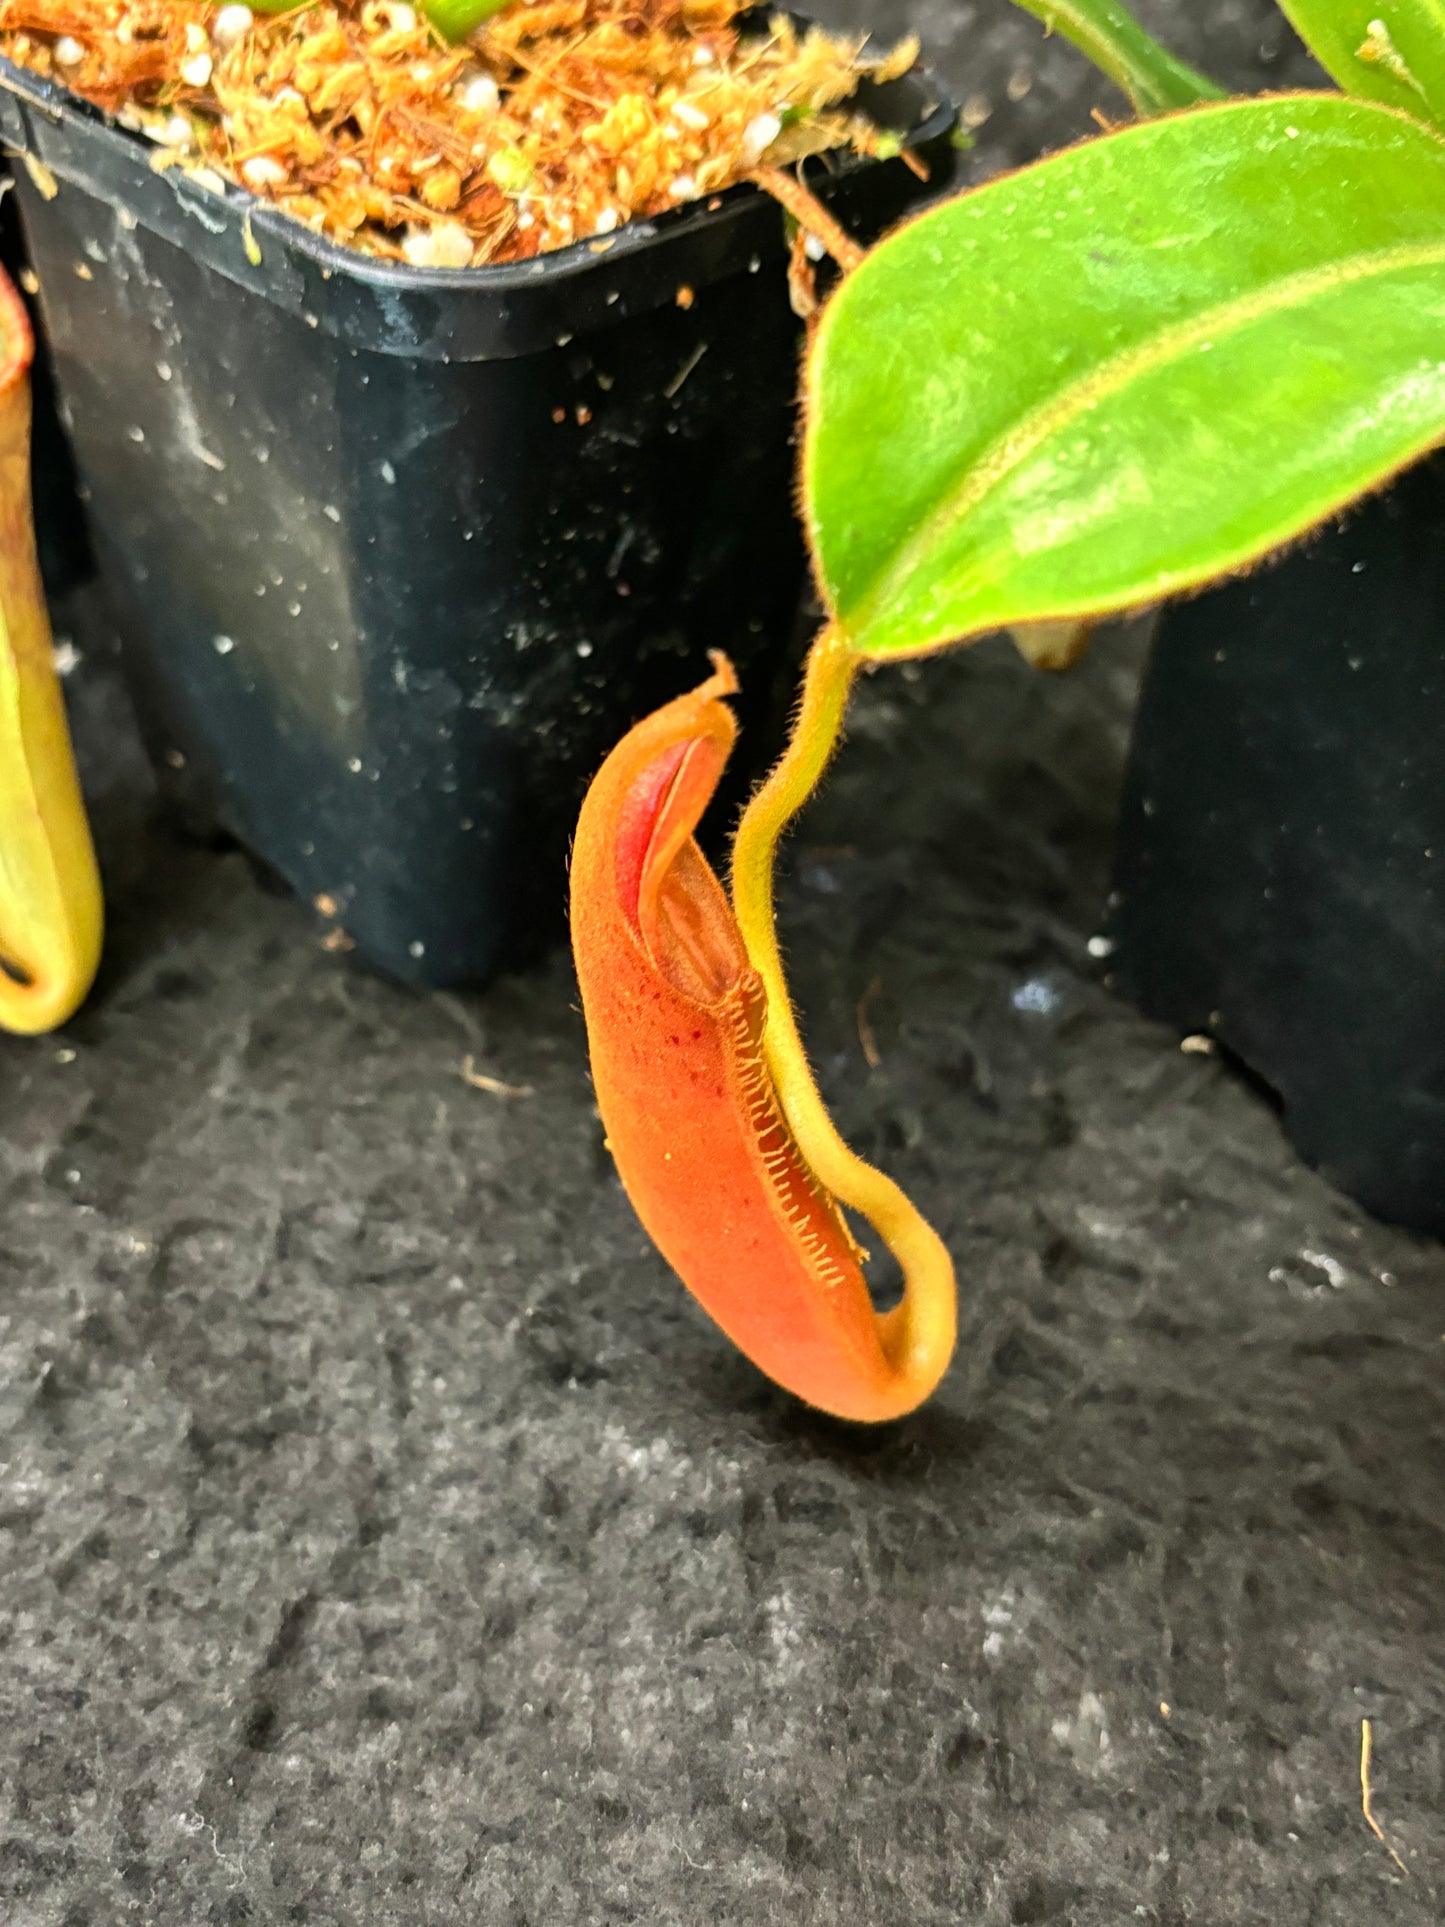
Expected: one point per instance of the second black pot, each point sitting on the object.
(398, 554)
(1280, 880)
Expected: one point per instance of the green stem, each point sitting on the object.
(454, 20)
(1118, 46)
(918, 1335)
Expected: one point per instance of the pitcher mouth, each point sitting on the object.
(668, 895)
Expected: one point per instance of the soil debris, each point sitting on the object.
(495, 1086)
(1367, 1798)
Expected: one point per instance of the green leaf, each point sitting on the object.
(1119, 47)
(459, 19)
(1389, 50)
(453, 19)
(1139, 365)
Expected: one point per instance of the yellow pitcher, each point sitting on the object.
(50, 900)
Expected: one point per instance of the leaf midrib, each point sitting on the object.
(1009, 451)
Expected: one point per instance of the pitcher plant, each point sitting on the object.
(1139, 365)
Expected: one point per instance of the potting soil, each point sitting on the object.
(555, 125)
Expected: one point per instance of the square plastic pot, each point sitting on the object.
(1280, 880)
(396, 554)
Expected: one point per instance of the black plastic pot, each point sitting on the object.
(1281, 868)
(397, 554)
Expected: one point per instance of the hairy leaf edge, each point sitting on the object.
(1168, 583)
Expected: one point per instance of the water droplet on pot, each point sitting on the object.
(1037, 997)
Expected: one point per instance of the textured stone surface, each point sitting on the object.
(384, 1538)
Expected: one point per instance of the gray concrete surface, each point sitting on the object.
(385, 1539)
